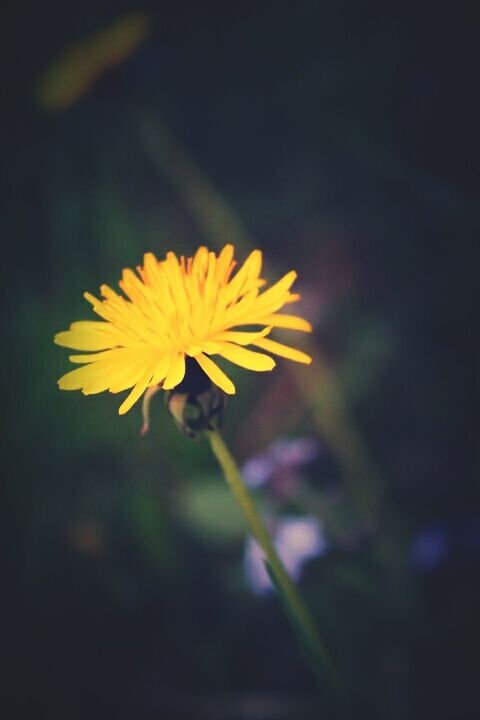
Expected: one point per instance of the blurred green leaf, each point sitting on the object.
(208, 506)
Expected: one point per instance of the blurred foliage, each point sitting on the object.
(208, 508)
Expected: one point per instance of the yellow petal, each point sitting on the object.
(176, 372)
(200, 261)
(114, 370)
(93, 325)
(137, 391)
(131, 285)
(101, 379)
(161, 370)
(254, 264)
(292, 322)
(244, 279)
(210, 347)
(207, 346)
(91, 298)
(216, 375)
(224, 261)
(125, 376)
(75, 379)
(89, 336)
(115, 354)
(83, 341)
(108, 293)
(155, 279)
(172, 269)
(247, 358)
(105, 373)
(278, 289)
(242, 338)
(240, 313)
(283, 350)
(193, 350)
(263, 305)
(150, 272)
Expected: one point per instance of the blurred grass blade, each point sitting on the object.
(317, 659)
(71, 75)
(196, 191)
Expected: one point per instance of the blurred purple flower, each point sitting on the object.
(429, 548)
(296, 539)
(294, 453)
(435, 544)
(258, 469)
(279, 464)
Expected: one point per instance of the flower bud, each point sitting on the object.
(196, 404)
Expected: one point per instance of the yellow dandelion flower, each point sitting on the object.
(179, 309)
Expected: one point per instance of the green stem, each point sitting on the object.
(291, 598)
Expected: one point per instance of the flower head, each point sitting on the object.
(178, 309)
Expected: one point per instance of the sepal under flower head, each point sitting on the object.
(196, 413)
(196, 404)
